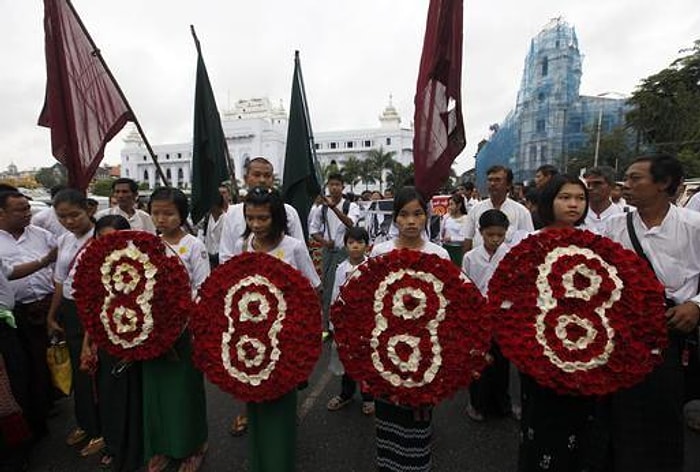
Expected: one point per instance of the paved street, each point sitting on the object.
(342, 441)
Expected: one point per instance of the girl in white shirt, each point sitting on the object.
(72, 211)
(272, 424)
(174, 401)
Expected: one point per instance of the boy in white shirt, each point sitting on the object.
(489, 394)
(356, 242)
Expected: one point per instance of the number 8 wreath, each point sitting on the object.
(412, 327)
(578, 312)
(131, 296)
(257, 333)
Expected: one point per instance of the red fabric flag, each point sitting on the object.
(83, 106)
(439, 126)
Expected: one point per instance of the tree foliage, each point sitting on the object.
(666, 110)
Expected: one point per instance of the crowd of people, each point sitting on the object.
(153, 413)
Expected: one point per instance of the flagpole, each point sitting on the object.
(229, 163)
(97, 54)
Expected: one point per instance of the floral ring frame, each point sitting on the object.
(132, 297)
(578, 312)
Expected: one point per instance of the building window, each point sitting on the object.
(540, 126)
(545, 67)
(368, 143)
(349, 144)
(334, 145)
(388, 141)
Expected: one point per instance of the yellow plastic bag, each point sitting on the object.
(58, 359)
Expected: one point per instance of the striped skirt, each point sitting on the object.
(403, 443)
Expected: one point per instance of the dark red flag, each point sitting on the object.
(439, 126)
(83, 106)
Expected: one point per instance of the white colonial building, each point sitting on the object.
(255, 127)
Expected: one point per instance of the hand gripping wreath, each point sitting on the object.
(257, 333)
(412, 327)
(578, 312)
(132, 297)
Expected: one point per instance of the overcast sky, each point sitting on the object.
(354, 54)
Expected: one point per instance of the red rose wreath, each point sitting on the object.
(578, 312)
(412, 327)
(257, 333)
(131, 296)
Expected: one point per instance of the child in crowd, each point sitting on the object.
(356, 243)
(174, 401)
(72, 211)
(272, 424)
(404, 433)
(489, 394)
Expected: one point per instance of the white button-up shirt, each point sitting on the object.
(33, 244)
(673, 248)
(139, 220)
(234, 227)
(519, 219)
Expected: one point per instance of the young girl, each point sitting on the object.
(174, 402)
(120, 390)
(72, 211)
(356, 242)
(401, 428)
(489, 394)
(272, 424)
(554, 427)
(452, 228)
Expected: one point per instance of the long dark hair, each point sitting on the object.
(545, 204)
(258, 196)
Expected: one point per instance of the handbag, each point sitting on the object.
(58, 360)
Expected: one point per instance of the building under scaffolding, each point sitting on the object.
(550, 119)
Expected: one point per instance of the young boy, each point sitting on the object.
(489, 394)
(356, 242)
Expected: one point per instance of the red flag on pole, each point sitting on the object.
(438, 122)
(84, 106)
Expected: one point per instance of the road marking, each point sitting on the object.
(310, 400)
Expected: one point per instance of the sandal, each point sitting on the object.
(194, 462)
(76, 436)
(239, 426)
(337, 402)
(158, 463)
(368, 408)
(93, 447)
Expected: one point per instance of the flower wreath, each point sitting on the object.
(412, 327)
(132, 298)
(257, 333)
(578, 312)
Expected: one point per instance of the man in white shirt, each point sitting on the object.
(259, 173)
(600, 182)
(646, 427)
(499, 181)
(21, 242)
(126, 192)
(328, 228)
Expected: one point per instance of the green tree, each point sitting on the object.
(666, 112)
(381, 161)
(352, 170)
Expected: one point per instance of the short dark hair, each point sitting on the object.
(493, 217)
(606, 172)
(499, 168)
(258, 196)
(71, 196)
(7, 194)
(406, 195)
(356, 233)
(133, 186)
(174, 195)
(337, 176)
(662, 167)
(117, 222)
(545, 205)
(548, 170)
